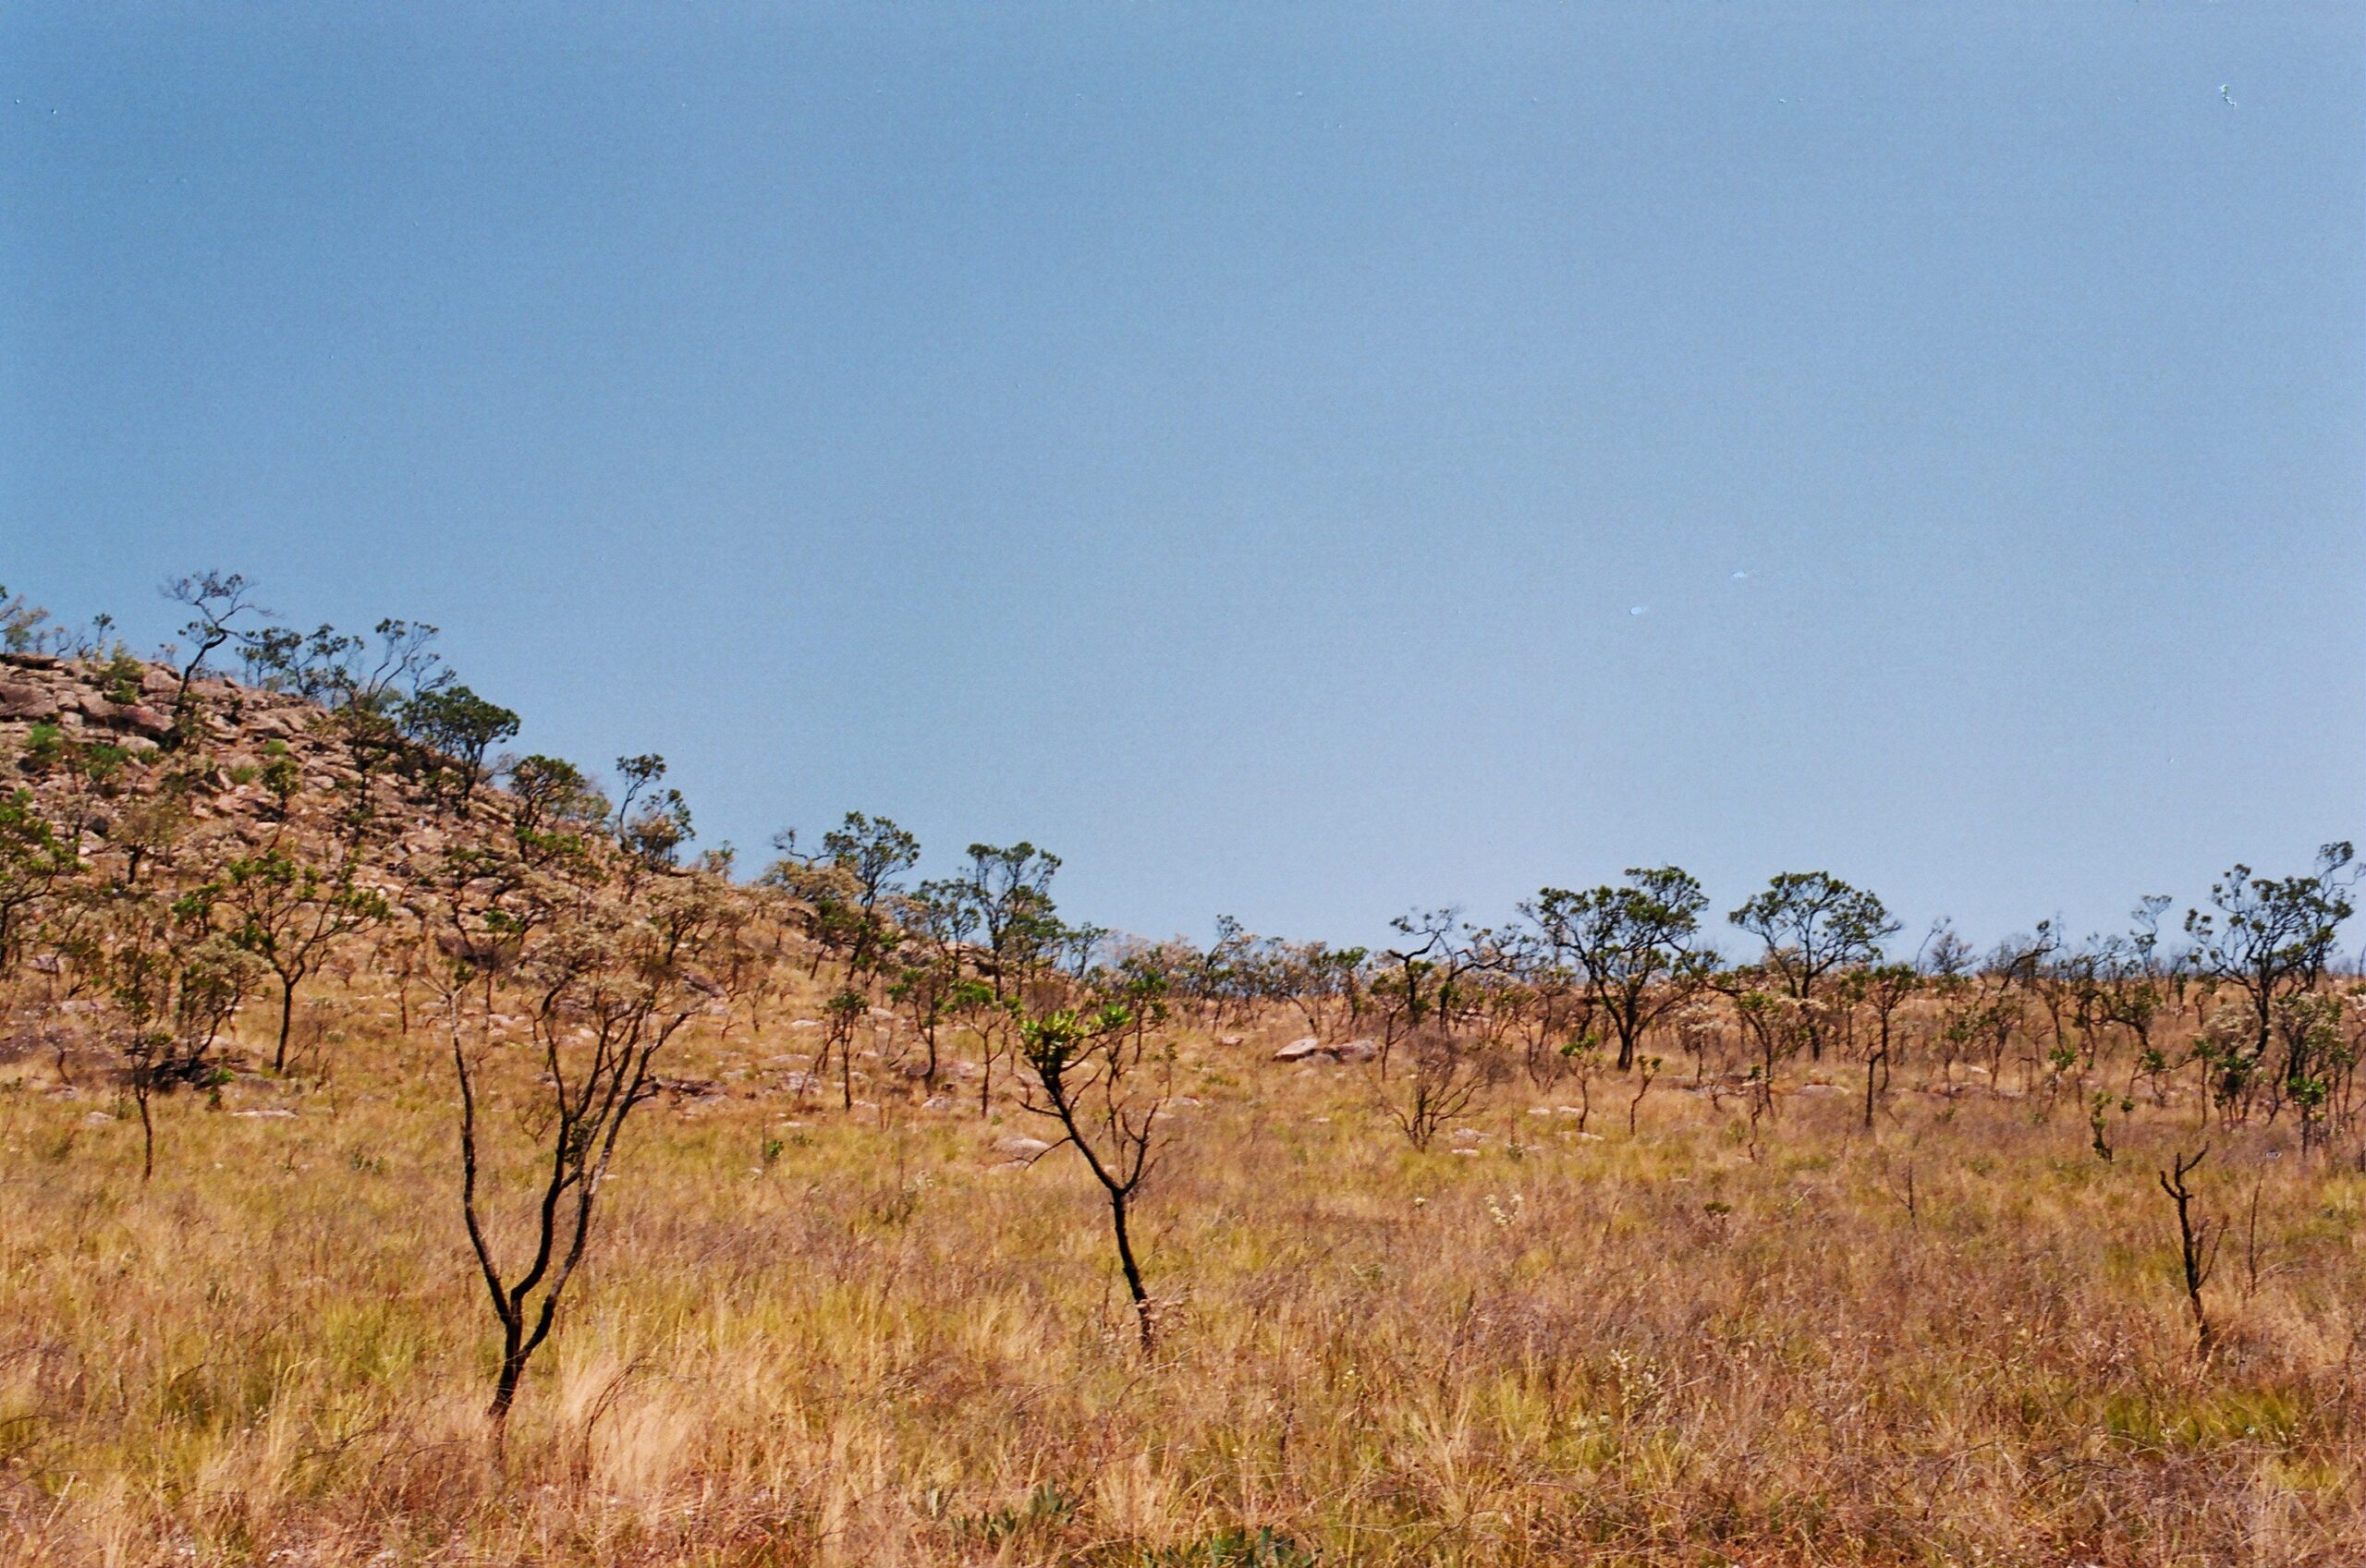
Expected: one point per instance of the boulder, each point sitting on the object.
(1308, 1048)
(23, 701)
(124, 716)
(1021, 1147)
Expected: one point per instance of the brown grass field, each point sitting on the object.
(810, 1335)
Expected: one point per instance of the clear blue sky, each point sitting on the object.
(1229, 444)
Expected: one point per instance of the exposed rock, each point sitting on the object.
(123, 715)
(24, 701)
(1021, 1147)
(1308, 1048)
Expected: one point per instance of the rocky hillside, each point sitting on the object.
(120, 763)
(173, 859)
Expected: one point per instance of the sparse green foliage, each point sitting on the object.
(217, 602)
(651, 824)
(34, 860)
(289, 913)
(2271, 938)
(1637, 946)
(1813, 923)
(458, 727)
(1086, 1069)
(20, 624)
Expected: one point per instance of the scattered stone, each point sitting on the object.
(274, 1113)
(1021, 1147)
(937, 1102)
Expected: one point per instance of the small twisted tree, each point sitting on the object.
(1089, 1070)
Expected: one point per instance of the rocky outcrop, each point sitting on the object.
(1311, 1049)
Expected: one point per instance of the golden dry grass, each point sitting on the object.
(809, 1336)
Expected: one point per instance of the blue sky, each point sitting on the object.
(1231, 445)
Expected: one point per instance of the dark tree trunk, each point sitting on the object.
(1132, 1269)
(287, 1022)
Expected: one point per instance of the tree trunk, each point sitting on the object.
(1133, 1270)
(286, 1023)
(513, 1367)
(147, 1139)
